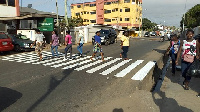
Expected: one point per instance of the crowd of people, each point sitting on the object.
(39, 42)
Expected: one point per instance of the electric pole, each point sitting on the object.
(66, 18)
(57, 23)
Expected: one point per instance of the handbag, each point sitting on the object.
(188, 58)
(194, 70)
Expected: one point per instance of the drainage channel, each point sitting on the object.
(164, 71)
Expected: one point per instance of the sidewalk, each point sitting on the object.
(175, 98)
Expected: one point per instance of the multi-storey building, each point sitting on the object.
(125, 13)
(9, 8)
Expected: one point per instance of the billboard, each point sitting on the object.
(45, 24)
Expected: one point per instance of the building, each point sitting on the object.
(125, 13)
(8, 8)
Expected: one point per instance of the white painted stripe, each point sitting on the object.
(91, 64)
(128, 69)
(140, 75)
(102, 66)
(71, 66)
(115, 67)
(81, 63)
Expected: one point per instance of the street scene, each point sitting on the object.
(99, 56)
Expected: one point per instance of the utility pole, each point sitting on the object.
(184, 16)
(66, 18)
(57, 23)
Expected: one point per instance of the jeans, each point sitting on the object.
(125, 50)
(173, 56)
(56, 50)
(80, 47)
(68, 49)
(184, 67)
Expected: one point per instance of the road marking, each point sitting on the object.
(102, 66)
(115, 67)
(128, 69)
(73, 61)
(140, 75)
(91, 64)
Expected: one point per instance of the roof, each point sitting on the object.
(26, 12)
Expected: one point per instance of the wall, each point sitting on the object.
(7, 11)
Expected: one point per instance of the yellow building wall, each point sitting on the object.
(134, 15)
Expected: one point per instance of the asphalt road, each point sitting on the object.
(27, 87)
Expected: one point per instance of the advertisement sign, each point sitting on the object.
(46, 24)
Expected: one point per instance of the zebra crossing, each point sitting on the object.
(85, 63)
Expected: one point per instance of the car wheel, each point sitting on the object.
(17, 48)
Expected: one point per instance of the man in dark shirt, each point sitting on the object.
(97, 46)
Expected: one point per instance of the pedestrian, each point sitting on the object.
(198, 40)
(39, 42)
(80, 42)
(124, 45)
(54, 43)
(173, 50)
(68, 43)
(188, 49)
(97, 46)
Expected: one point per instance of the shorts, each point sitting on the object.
(97, 48)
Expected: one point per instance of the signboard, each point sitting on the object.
(46, 24)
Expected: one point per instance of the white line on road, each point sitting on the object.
(128, 69)
(140, 75)
(91, 64)
(102, 66)
(115, 67)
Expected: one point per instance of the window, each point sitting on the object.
(133, 0)
(85, 13)
(78, 14)
(113, 10)
(2, 1)
(126, 19)
(107, 20)
(93, 21)
(127, 10)
(86, 4)
(3, 36)
(72, 7)
(107, 11)
(11, 3)
(116, 9)
(78, 6)
(93, 12)
(120, 10)
(113, 19)
(126, 1)
(120, 19)
(107, 3)
(92, 5)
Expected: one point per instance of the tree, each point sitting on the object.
(192, 17)
(148, 25)
(72, 22)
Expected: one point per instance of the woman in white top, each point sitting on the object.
(188, 48)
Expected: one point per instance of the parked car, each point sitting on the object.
(153, 34)
(107, 36)
(147, 34)
(5, 43)
(21, 42)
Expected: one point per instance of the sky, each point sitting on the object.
(165, 12)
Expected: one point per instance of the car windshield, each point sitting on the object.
(146, 33)
(3, 36)
(104, 32)
(21, 37)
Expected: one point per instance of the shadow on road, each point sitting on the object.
(8, 97)
(159, 51)
(167, 104)
(118, 110)
(53, 84)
